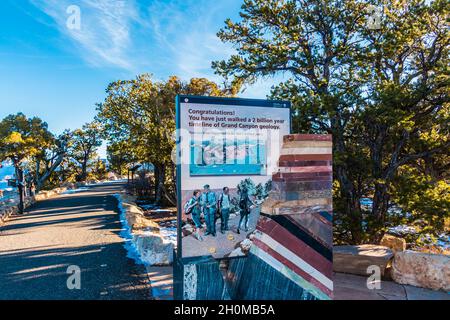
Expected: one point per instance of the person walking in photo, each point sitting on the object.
(245, 205)
(209, 207)
(193, 208)
(224, 207)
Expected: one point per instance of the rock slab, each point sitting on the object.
(356, 259)
(154, 250)
(423, 270)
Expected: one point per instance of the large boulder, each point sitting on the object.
(136, 219)
(42, 195)
(153, 249)
(68, 185)
(394, 243)
(356, 259)
(60, 190)
(112, 176)
(46, 194)
(424, 270)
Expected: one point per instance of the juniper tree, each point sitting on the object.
(140, 114)
(381, 90)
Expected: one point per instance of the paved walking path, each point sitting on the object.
(79, 229)
(353, 287)
(162, 282)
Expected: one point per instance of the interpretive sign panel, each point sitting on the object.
(227, 152)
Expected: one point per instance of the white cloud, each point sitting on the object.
(105, 34)
(175, 37)
(187, 30)
(189, 38)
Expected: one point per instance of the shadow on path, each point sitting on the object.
(79, 229)
(37, 273)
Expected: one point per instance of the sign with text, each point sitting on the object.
(227, 151)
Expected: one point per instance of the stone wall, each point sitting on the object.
(5, 213)
(145, 242)
(46, 194)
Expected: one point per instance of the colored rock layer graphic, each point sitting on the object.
(294, 232)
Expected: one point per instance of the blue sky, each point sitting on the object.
(58, 74)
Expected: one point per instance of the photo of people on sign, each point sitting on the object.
(227, 152)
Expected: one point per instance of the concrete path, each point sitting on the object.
(161, 282)
(80, 229)
(353, 287)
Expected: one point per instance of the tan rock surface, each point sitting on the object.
(423, 270)
(356, 259)
(394, 243)
(136, 219)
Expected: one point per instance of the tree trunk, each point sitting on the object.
(381, 196)
(159, 181)
(40, 180)
(174, 181)
(380, 208)
(171, 199)
(349, 197)
(20, 187)
(352, 208)
(169, 186)
(36, 177)
(84, 169)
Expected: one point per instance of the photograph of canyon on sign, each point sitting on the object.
(228, 150)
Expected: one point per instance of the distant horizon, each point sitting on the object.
(5, 171)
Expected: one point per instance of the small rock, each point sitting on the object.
(236, 253)
(188, 229)
(394, 243)
(246, 245)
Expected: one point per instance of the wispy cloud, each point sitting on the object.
(105, 33)
(187, 29)
(176, 37)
